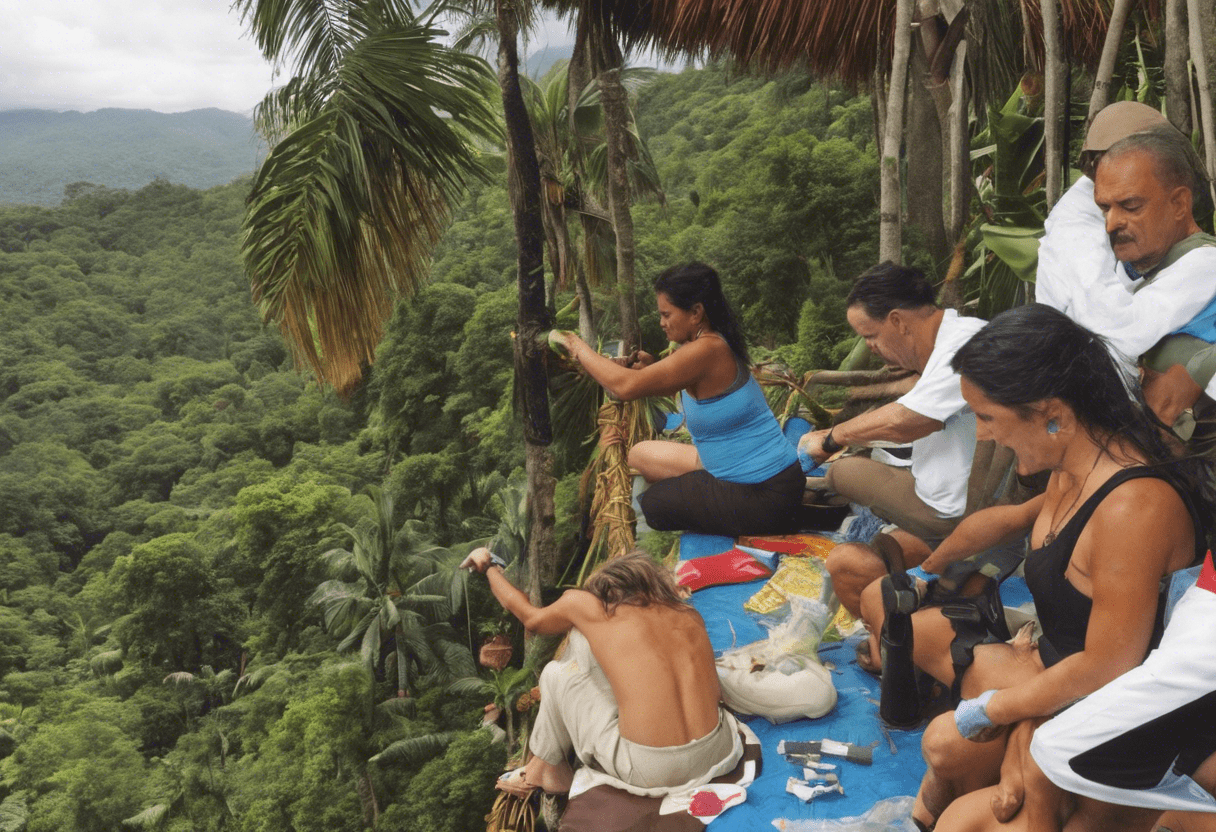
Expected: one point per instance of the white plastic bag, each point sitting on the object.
(891, 815)
(780, 678)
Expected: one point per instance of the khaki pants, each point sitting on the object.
(890, 493)
(578, 712)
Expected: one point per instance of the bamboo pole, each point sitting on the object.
(1053, 100)
(1199, 58)
(890, 184)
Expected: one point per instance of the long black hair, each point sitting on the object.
(693, 283)
(1032, 353)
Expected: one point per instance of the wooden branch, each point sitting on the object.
(856, 378)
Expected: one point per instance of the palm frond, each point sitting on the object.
(453, 656)
(317, 35)
(149, 818)
(369, 650)
(254, 679)
(14, 813)
(398, 706)
(346, 208)
(106, 663)
(472, 684)
(413, 750)
(341, 603)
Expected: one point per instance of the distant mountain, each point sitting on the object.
(42, 151)
(537, 63)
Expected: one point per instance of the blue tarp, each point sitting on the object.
(854, 719)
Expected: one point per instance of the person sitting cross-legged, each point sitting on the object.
(893, 308)
(636, 693)
(740, 475)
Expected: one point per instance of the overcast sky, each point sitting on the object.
(165, 55)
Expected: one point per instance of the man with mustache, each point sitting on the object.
(1151, 300)
(1145, 186)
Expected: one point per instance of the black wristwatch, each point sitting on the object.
(495, 560)
(830, 445)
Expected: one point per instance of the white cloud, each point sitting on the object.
(171, 55)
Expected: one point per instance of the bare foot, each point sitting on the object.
(866, 654)
(553, 779)
(513, 783)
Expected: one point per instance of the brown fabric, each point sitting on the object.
(605, 809)
(890, 493)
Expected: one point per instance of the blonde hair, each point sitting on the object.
(634, 579)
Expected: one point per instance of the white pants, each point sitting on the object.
(1137, 740)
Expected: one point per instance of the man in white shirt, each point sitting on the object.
(1130, 263)
(893, 308)
(1075, 255)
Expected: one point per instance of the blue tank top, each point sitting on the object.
(736, 434)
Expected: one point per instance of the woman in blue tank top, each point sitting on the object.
(740, 475)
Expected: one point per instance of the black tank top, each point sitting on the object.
(1062, 610)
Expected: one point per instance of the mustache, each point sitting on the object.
(1120, 237)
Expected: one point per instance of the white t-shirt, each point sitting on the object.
(941, 461)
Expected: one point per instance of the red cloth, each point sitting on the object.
(1207, 575)
(731, 567)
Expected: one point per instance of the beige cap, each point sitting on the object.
(1118, 121)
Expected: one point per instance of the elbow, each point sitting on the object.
(625, 391)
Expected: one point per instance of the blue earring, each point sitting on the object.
(1053, 427)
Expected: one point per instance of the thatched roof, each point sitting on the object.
(841, 39)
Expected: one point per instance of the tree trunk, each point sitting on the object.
(1202, 24)
(925, 175)
(367, 799)
(890, 184)
(586, 311)
(532, 380)
(542, 547)
(1177, 75)
(1106, 65)
(615, 101)
(1053, 100)
(402, 667)
(960, 147)
(578, 76)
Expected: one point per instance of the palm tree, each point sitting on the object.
(374, 134)
(535, 318)
(390, 588)
(572, 146)
(504, 687)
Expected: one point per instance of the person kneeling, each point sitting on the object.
(636, 694)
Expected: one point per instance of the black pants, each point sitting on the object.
(700, 502)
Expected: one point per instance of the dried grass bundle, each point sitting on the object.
(621, 425)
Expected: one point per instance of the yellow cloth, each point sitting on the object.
(803, 577)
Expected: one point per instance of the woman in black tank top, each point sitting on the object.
(1118, 515)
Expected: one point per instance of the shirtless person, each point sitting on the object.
(636, 693)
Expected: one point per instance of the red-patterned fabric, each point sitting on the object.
(799, 545)
(731, 567)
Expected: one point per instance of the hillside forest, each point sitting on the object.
(229, 595)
